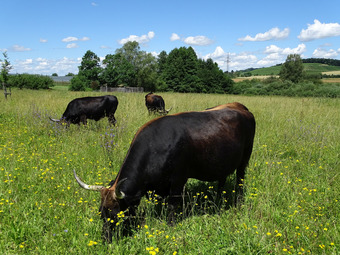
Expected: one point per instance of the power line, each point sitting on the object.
(228, 61)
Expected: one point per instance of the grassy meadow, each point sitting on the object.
(292, 185)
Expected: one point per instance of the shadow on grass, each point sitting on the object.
(199, 198)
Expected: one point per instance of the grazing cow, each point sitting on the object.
(155, 104)
(95, 108)
(167, 151)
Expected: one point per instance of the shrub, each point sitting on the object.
(286, 88)
(78, 83)
(30, 81)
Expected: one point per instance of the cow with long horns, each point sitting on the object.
(95, 108)
(155, 104)
(167, 151)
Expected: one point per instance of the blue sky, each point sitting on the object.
(48, 36)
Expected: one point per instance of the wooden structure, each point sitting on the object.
(6, 93)
(121, 89)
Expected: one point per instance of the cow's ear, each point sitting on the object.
(118, 193)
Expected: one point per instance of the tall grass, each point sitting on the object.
(291, 187)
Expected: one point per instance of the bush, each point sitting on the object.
(30, 81)
(286, 88)
(79, 83)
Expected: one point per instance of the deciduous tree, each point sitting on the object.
(180, 72)
(90, 67)
(292, 69)
(5, 68)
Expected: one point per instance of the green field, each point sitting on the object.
(308, 67)
(292, 191)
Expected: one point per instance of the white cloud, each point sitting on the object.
(85, 38)
(242, 61)
(140, 39)
(319, 30)
(270, 60)
(75, 39)
(322, 53)
(105, 47)
(272, 34)
(41, 59)
(239, 61)
(217, 54)
(154, 53)
(72, 46)
(174, 37)
(47, 66)
(94, 4)
(43, 40)
(27, 61)
(70, 39)
(236, 61)
(245, 57)
(272, 49)
(301, 48)
(19, 48)
(199, 40)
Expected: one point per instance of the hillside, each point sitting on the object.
(309, 68)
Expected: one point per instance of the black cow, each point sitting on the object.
(167, 151)
(95, 108)
(155, 104)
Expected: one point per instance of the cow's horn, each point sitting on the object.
(84, 185)
(167, 111)
(55, 120)
(119, 194)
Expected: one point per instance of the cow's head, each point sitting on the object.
(110, 204)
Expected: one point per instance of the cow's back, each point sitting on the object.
(207, 145)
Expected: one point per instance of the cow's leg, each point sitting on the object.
(83, 119)
(107, 231)
(220, 188)
(240, 173)
(174, 201)
(112, 119)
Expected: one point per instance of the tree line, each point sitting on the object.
(326, 61)
(179, 71)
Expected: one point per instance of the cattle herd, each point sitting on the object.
(165, 152)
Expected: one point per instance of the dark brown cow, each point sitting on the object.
(167, 151)
(155, 104)
(95, 108)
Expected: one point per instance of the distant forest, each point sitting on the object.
(326, 61)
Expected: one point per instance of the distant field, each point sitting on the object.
(331, 80)
(332, 72)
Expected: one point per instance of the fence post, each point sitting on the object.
(5, 90)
